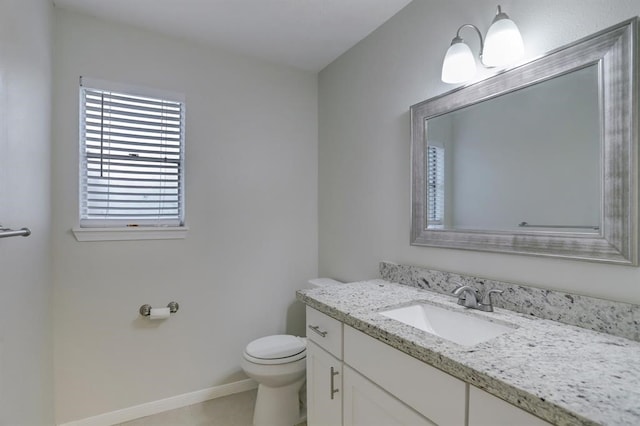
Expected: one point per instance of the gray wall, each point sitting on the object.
(364, 142)
(25, 283)
(251, 188)
(515, 156)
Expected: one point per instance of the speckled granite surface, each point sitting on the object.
(620, 319)
(561, 373)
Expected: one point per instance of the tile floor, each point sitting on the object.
(232, 410)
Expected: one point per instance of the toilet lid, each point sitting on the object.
(274, 347)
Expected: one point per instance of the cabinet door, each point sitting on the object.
(324, 384)
(365, 404)
(487, 410)
(433, 393)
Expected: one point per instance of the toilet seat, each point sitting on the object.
(277, 349)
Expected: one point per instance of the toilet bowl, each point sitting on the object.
(278, 364)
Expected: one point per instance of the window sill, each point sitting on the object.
(131, 234)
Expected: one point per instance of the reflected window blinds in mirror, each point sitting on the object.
(551, 144)
(435, 185)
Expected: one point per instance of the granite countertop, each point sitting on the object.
(564, 374)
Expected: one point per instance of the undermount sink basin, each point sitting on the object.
(458, 327)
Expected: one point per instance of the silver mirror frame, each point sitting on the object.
(615, 52)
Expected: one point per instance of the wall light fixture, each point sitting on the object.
(502, 46)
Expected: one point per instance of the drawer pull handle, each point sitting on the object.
(316, 328)
(333, 374)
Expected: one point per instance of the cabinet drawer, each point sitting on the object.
(436, 395)
(325, 331)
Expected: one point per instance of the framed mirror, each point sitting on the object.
(541, 159)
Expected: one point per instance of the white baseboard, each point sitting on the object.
(160, 406)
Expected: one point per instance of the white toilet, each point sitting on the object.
(278, 364)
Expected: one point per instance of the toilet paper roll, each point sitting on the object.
(159, 313)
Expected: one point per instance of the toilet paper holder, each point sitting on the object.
(145, 310)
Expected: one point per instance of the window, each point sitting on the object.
(131, 157)
(435, 185)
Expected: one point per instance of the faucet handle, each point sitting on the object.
(486, 299)
(461, 288)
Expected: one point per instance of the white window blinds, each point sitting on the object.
(435, 185)
(132, 157)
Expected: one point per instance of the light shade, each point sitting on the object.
(459, 65)
(503, 43)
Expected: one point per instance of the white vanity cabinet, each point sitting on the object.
(324, 369)
(487, 410)
(356, 380)
(436, 395)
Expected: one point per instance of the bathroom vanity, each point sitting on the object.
(549, 357)
(364, 368)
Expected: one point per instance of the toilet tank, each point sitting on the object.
(323, 282)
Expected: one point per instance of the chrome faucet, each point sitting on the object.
(468, 297)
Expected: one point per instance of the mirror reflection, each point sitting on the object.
(525, 160)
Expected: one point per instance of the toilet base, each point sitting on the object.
(278, 406)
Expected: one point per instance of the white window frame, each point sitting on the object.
(92, 229)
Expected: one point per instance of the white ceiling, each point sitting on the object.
(307, 34)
